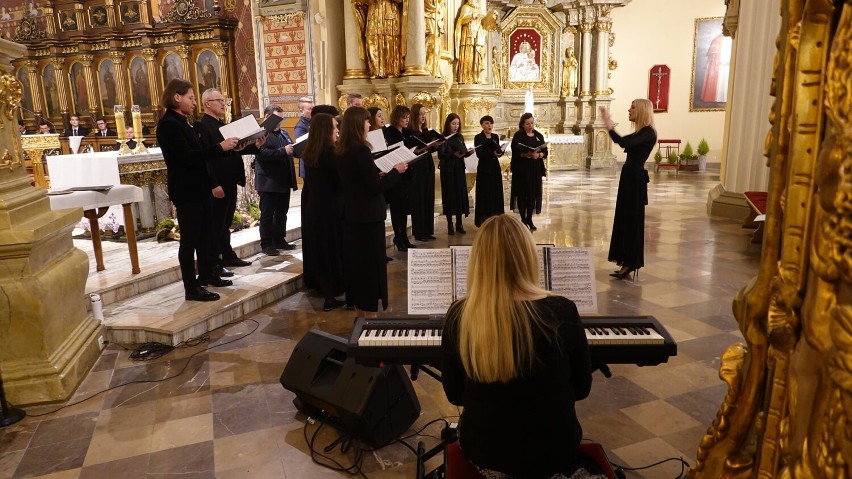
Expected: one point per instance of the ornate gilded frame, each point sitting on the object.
(706, 29)
(549, 27)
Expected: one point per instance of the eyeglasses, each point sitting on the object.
(220, 100)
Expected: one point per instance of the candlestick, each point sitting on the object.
(137, 122)
(119, 121)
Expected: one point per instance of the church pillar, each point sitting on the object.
(120, 88)
(35, 81)
(183, 52)
(86, 59)
(602, 27)
(586, 59)
(221, 50)
(49, 340)
(415, 41)
(59, 78)
(154, 89)
(598, 143)
(355, 66)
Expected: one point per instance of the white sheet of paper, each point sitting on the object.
(430, 281)
(301, 139)
(572, 275)
(376, 138)
(387, 162)
(242, 128)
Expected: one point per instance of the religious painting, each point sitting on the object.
(67, 21)
(172, 68)
(525, 55)
(79, 91)
(106, 82)
(51, 92)
(24, 79)
(140, 90)
(711, 64)
(208, 70)
(130, 12)
(98, 16)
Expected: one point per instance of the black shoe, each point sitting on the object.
(421, 239)
(331, 304)
(224, 272)
(430, 237)
(532, 226)
(198, 293)
(235, 262)
(270, 252)
(388, 259)
(450, 230)
(285, 246)
(215, 281)
(399, 244)
(460, 228)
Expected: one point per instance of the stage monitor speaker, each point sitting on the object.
(376, 405)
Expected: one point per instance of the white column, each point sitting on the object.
(415, 40)
(743, 164)
(602, 27)
(586, 60)
(355, 66)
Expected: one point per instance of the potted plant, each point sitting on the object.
(688, 160)
(658, 157)
(703, 149)
(672, 157)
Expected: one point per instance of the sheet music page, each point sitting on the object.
(301, 139)
(430, 281)
(572, 274)
(540, 250)
(243, 128)
(376, 138)
(461, 258)
(387, 162)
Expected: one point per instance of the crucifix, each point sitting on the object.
(659, 74)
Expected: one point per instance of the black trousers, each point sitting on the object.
(273, 218)
(221, 217)
(398, 199)
(194, 241)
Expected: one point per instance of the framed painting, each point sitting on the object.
(525, 55)
(711, 65)
(208, 71)
(24, 78)
(79, 90)
(140, 90)
(172, 68)
(106, 84)
(51, 93)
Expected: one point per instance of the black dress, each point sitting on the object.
(397, 196)
(489, 178)
(422, 193)
(527, 174)
(364, 251)
(627, 244)
(453, 184)
(499, 428)
(322, 223)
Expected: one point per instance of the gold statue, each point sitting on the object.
(382, 38)
(434, 30)
(496, 70)
(569, 73)
(470, 43)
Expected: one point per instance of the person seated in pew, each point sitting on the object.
(129, 138)
(509, 352)
(44, 128)
(103, 130)
(75, 128)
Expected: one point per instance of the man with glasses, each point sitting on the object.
(226, 171)
(103, 130)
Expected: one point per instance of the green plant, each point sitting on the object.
(703, 148)
(168, 223)
(687, 151)
(658, 157)
(672, 157)
(253, 210)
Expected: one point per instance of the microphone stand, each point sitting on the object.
(9, 415)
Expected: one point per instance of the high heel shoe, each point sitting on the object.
(408, 243)
(460, 228)
(399, 244)
(626, 273)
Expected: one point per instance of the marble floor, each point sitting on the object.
(219, 410)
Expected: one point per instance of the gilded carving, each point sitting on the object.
(550, 29)
(220, 48)
(376, 100)
(478, 104)
(11, 93)
(27, 31)
(184, 10)
(202, 35)
(286, 17)
(341, 102)
(70, 49)
(424, 98)
(162, 39)
(399, 99)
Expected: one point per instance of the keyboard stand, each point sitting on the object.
(416, 368)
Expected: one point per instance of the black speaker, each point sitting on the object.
(375, 405)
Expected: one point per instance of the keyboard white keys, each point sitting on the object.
(623, 335)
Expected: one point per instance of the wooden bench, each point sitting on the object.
(757, 216)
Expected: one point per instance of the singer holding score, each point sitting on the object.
(489, 178)
(189, 185)
(528, 153)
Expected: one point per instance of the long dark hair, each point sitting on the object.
(319, 138)
(372, 111)
(415, 118)
(352, 130)
(450, 118)
(167, 101)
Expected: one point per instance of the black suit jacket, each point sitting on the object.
(274, 169)
(226, 168)
(186, 159)
(362, 187)
(109, 132)
(81, 131)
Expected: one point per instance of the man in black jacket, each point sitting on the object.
(103, 130)
(226, 171)
(75, 128)
(275, 177)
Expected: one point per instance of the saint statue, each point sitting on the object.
(434, 30)
(496, 70)
(569, 73)
(383, 40)
(470, 43)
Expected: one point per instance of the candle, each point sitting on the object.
(119, 121)
(137, 121)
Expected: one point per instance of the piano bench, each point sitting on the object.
(456, 466)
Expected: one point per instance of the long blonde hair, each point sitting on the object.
(644, 114)
(497, 321)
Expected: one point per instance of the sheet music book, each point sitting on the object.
(386, 162)
(247, 128)
(536, 149)
(376, 138)
(414, 141)
(437, 277)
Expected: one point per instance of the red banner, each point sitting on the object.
(658, 87)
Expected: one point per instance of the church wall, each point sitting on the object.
(286, 61)
(244, 49)
(651, 32)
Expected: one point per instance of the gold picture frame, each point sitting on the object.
(711, 61)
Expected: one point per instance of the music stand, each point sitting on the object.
(9, 415)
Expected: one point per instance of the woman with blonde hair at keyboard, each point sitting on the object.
(516, 358)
